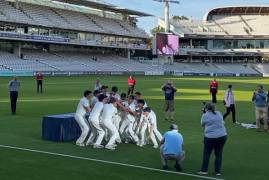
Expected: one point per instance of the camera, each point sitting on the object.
(204, 107)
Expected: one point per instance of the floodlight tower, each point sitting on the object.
(166, 12)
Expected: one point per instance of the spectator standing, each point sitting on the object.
(97, 85)
(169, 93)
(39, 82)
(259, 98)
(215, 137)
(13, 87)
(229, 102)
(131, 85)
(213, 88)
(172, 148)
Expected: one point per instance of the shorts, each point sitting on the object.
(169, 106)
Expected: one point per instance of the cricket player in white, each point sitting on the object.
(140, 105)
(142, 127)
(94, 99)
(83, 108)
(109, 111)
(123, 114)
(117, 117)
(114, 93)
(153, 131)
(94, 121)
(138, 97)
(131, 119)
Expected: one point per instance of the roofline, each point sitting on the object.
(105, 6)
(240, 6)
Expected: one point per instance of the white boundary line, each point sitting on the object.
(107, 162)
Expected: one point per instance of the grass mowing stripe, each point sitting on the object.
(200, 98)
(43, 100)
(107, 162)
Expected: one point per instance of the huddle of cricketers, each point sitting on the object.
(107, 119)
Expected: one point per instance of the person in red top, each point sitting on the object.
(39, 81)
(131, 85)
(214, 85)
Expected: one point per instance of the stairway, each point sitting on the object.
(59, 14)
(220, 27)
(245, 22)
(98, 25)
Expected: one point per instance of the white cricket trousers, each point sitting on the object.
(93, 134)
(130, 129)
(82, 122)
(116, 121)
(136, 124)
(100, 133)
(155, 134)
(114, 134)
(123, 126)
(143, 134)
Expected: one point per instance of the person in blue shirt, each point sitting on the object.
(215, 137)
(260, 100)
(169, 93)
(172, 148)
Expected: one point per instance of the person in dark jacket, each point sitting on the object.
(39, 82)
(13, 87)
(169, 106)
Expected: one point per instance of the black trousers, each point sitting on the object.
(216, 144)
(229, 110)
(130, 90)
(214, 97)
(39, 84)
(13, 101)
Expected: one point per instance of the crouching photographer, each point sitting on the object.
(215, 136)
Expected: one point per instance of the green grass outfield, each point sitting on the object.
(245, 157)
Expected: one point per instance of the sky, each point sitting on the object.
(194, 9)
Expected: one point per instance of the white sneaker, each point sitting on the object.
(89, 143)
(118, 141)
(80, 144)
(114, 145)
(202, 173)
(155, 146)
(138, 143)
(110, 147)
(97, 146)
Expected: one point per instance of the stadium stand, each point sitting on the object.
(38, 32)
(229, 22)
(36, 60)
(232, 35)
(262, 68)
(11, 62)
(66, 61)
(244, 69)
(52, 17)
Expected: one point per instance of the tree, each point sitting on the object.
(157, 29)
(180, 18)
